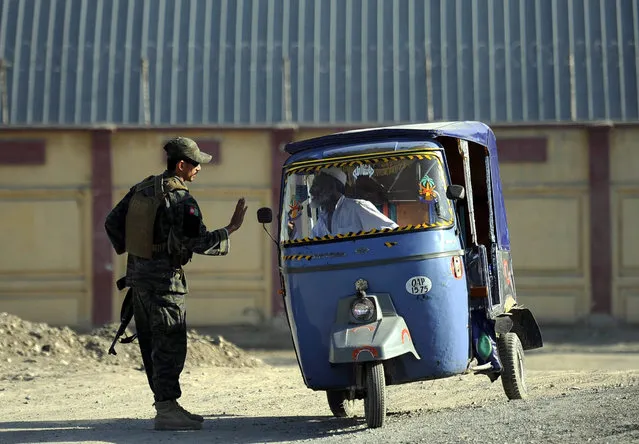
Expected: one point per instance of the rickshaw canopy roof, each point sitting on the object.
(476, 132)
(471, 131)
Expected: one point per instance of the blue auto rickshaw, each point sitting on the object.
(407, 275)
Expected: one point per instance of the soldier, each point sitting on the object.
(159, 224)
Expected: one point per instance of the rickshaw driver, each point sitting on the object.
(341, 214)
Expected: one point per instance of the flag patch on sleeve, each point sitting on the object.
(193, 211)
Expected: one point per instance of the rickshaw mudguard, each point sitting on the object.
(384, 339)
(521, 321)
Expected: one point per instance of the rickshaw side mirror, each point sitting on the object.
(455, 192)
(264, 215)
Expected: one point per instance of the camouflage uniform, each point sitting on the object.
(158, 283)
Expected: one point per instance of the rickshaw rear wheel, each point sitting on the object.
(374, 402)
(513, 377)
(340, 404)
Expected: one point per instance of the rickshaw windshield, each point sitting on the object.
(376, 194)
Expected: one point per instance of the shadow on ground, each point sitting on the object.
(227, 429)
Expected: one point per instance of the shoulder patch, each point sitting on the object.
(192, 220)
(193, 210)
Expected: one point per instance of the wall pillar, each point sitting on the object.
(600, 219)
(102, 202)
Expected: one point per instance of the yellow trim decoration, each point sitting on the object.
(330, 237)
(297, 257)
(314, 165)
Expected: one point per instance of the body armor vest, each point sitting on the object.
(140, 219)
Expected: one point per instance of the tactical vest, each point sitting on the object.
(142, 212)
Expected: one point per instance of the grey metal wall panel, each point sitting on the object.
(243, 62)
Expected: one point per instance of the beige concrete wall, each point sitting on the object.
(624, 166)
(548, 212)
(45, 232)
(223, 290)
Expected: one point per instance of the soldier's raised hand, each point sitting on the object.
(238, 216)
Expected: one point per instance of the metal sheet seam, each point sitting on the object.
(555, 43)
(48, 60)
(253, 91)
(412, 114)
(221, 89)
(332, 48)
(97, 48)
(635, 21)
(111, 73)
(396, 65)
(79, 79)
(364, 62)
(191, 62)
(588, 59)
(206, 61)
(540, 66)
(604, 55)
(237, 72)
(620, 55)
(17, 61)
(173, 66)
(491, 60)
(507, 61)
(145, 90)
(33, 58)
(317, 46)
(524, 74)
(270, 56)
(348, 41)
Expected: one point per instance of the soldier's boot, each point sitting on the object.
(170, 417)
(193, 416)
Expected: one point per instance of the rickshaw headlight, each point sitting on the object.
(363, 309)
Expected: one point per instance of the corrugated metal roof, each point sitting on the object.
(243, 62)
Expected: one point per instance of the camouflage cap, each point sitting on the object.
(183, 147)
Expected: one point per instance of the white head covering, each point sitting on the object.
(336, 173)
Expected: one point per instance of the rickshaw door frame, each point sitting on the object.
(480, 257)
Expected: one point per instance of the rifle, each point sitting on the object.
(126, 314)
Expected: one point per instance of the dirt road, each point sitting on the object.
(578, 393)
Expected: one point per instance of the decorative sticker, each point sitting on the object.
(418, 285)
(363, 170)
(294, 210)
(427, 191)
(429, 196)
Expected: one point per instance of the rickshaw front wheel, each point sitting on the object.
(340, 404)
(513, 377)
(374, 401)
